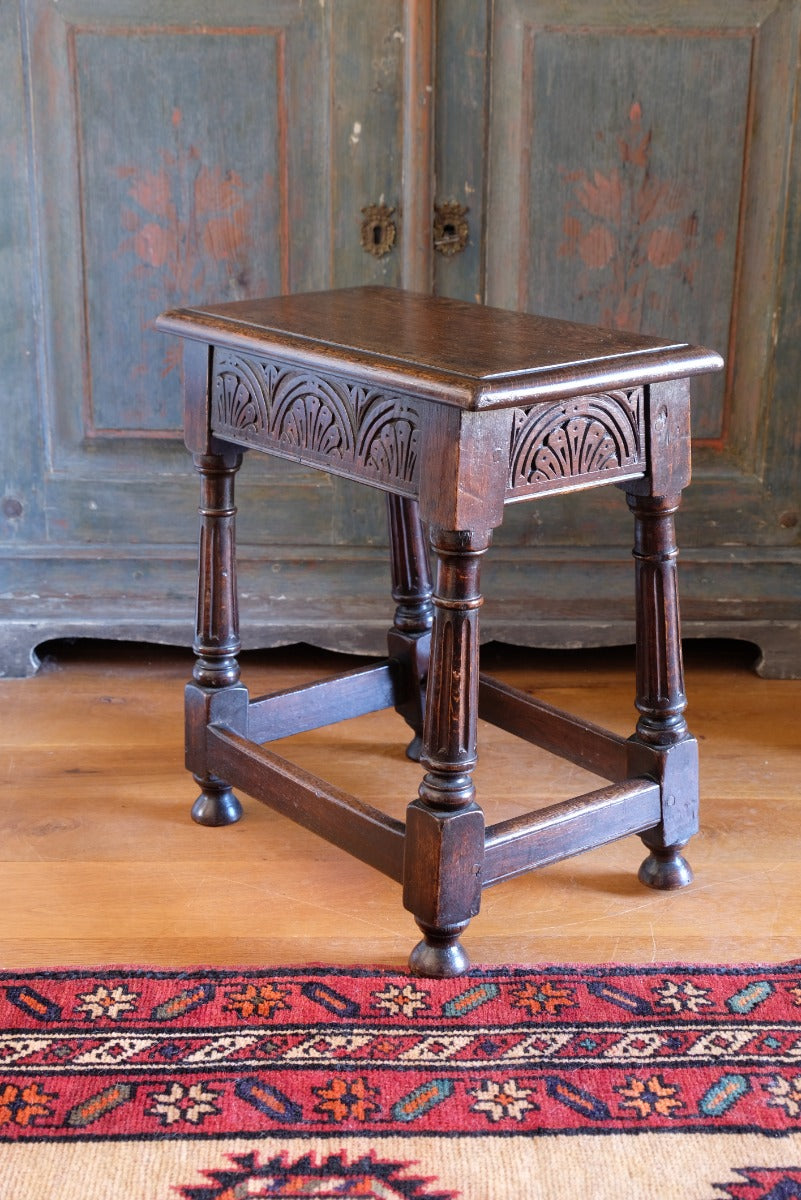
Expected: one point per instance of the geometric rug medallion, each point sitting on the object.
(547, 1081)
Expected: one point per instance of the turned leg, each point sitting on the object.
(410, 637)
(662, 744)
(445, 827)
(216, 642)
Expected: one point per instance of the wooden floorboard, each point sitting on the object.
(101, 863)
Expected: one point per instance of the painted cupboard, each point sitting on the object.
(637, 166)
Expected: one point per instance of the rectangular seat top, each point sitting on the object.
(453, 351)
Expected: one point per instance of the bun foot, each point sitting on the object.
(216, 806)
(440, 955)
(415, 748)
(665, 870)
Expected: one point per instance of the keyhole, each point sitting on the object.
(378, 229)
(451, 232)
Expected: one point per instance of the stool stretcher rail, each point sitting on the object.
(569, 737)
(325, 702)
(362, 830)
(562, 830)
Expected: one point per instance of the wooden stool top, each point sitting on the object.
(462, 407)
(467, 355)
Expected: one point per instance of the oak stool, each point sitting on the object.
(453, 410)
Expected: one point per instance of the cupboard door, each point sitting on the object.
(643, 173)
(628, 165)
(178, 153)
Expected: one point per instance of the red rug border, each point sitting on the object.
(579, 972)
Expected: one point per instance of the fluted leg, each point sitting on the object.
(445, 827)
(216, 642)
(409, 639)
(662, 730)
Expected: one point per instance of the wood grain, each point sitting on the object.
(472, 356)
(102, 864)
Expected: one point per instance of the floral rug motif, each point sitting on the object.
(215, 1084)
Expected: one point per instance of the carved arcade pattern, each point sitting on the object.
(583, 438)
(347, 428)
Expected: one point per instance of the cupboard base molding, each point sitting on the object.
(755, 599)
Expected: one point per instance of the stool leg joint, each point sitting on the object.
(675, 769)
(442, 880)
(216, 804)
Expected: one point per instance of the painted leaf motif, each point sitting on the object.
(664, 247)
(152, 244)
(603, 197)
(153, 193)
(186, 222)
(626, 223)
(596, 246)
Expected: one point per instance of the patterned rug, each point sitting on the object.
(547, 1082)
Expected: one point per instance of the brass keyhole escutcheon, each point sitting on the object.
(378, 229)
(451, 231)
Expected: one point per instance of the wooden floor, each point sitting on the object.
(101, 863)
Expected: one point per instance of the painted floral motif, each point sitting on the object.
(682, 997)
(502, 1101)
(110, 1004)
(628, 222)
(538, 998)
(645, 1097)
(347, 1100)
(251, 1001)
(179, 1103)
(184, 221)
(22, 1105)
(405, 1001)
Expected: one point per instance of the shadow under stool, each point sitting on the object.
(453, 410)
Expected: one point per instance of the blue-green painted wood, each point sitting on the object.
(156, 153)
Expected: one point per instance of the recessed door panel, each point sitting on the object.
(638, 178)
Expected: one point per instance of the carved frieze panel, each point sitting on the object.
(585, 439)
(324, 420)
